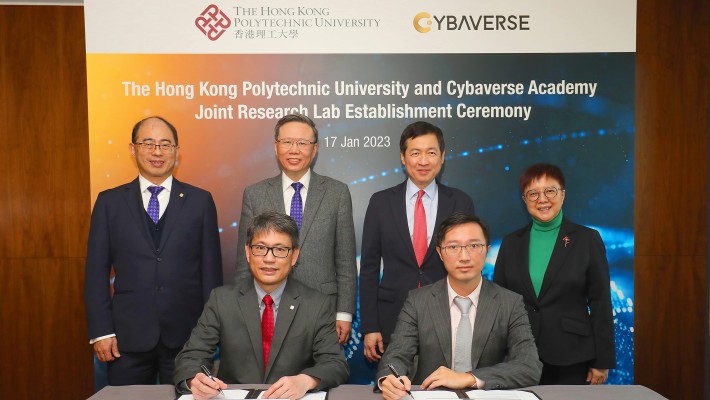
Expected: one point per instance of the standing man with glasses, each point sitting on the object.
(468, 332)
(322, 209)
(398, 233)
(270, 328)
(160, 236)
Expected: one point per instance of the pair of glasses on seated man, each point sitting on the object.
(261, 250)
(550, 193)
(456, 249)
(300, 143)
(166, 147)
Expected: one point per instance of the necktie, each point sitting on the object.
(419, 237)
(153, 205)
(297, 204)
(462, 353)
(267, 327)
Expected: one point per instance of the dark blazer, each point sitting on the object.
(304, 342)
(159, 292)
(386, 239)
(327, 236)
(577, 278)
(503, 353)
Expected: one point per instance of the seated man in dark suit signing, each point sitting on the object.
(271, 329)
(467, 331)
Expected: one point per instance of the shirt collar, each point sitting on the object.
(474, 296)
(145, 184)
(413, 189)
(275, 294)
(286, 181)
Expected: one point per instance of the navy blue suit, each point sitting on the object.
(386, 239)
(159, 290)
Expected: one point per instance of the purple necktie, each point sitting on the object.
(297, 204)
(153, 205)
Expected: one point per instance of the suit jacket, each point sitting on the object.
(158, 292)
(386, 240)
(304, 341)
(571, 319)
(327, 236)
(503, 352)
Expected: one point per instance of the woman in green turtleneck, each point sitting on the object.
(560, 269)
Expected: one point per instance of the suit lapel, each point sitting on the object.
(560, 251)
(522, 263)
(441, 317)
(134, 202)
(485, 317)
(275, 194)
(399, 212)
(249, 308)
(178, 197)
(316, 192)
(287, 311)
(443, 210)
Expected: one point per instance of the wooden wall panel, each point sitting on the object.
(671, 192)
(44, 203)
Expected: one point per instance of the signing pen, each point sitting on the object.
(396, 375)
(207, 372)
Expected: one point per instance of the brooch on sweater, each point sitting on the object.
(567, 240)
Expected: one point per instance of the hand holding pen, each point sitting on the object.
(399, 378)
(212, 378)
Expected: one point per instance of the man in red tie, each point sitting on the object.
(271, 329)
(397, 233)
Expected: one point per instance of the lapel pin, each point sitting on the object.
(182, 195)
(292, 307)
(567, 240)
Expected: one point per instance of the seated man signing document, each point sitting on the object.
(270, 329)
(467, 331)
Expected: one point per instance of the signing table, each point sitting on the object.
(364, 392)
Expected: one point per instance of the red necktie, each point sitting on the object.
(419, 237)
(267, 327)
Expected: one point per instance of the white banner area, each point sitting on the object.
(367, 26)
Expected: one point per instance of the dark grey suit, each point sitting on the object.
(304, 342)
(503, 352)
(327, 236)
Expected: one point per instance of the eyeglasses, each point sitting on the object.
(550, 193)
(261, 250)
(148, 147)
(300, 143)
(456, 249)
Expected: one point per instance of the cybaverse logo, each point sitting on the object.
(212, 22)
(423, 22)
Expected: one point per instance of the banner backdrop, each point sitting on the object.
(510, 83)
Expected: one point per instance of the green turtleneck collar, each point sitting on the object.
(554, 223)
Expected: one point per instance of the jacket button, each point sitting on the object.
(158, 288)
(159, 259)
(536, 309)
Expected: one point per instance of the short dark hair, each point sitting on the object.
(461, 218)
(296, 118)
(271, 220)
(138, 125)
(537, 171)
(420, 128)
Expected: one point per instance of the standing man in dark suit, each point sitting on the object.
(467, 331)
(270, 328)
(398, 232)
(323, 211)
(160, 237)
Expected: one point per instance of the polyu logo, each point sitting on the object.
(212, 22)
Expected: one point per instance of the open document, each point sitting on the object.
(501, 395)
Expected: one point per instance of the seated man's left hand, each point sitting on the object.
(291, 387)
(446, 378)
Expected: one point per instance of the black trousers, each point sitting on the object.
(143, 368)
(575, 374)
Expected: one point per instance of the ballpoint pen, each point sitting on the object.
(396, 375)
(209, 375)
